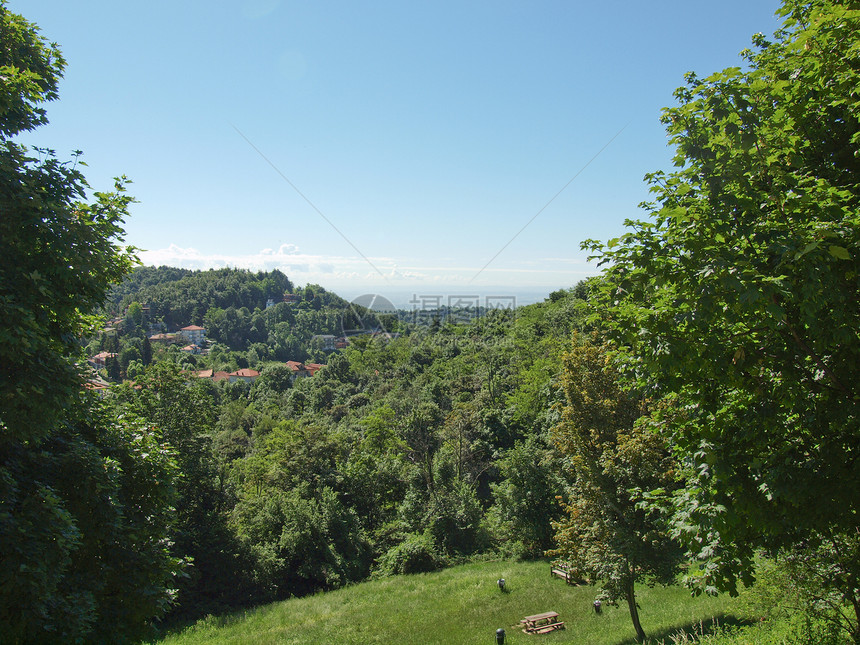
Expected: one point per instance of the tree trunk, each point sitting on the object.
(855, 600)
(634, 611)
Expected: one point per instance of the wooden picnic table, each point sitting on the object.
(541, 623)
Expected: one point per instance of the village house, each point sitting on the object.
(303, 370)
(313, 368)
(327, 342)
(98, 386)
(193, 334)
(247, 375)
(100, 359)
(163, 338)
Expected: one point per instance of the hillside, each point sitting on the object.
(461, 605)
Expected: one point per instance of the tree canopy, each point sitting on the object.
(85, 497)
(607, 534)
(740, 294)
(60, 253)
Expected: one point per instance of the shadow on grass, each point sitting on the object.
(693, 631)
(175, 626)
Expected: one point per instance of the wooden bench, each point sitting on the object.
(541, 623)
(562, 572)
(545, 629)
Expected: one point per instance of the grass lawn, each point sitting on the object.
(459, 605)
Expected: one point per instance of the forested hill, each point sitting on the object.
(402, 454)
(144, 276)
(252, 317)
(179, 297)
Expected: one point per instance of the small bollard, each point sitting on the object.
(501, 583)
(596, 606)
(500, 636)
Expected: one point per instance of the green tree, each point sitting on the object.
(740, 296)
(270, 389)
(135, 313)
(127, 355)
(146, 351)
(113, 369)
(303, 543)
(184, 412)
(375, 471)
(606, 534)
(59, 254)
(525, 496)
(32, 69)
(84, 497)
(84, 547)
(134, 370)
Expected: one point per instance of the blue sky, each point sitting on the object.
(427, 134)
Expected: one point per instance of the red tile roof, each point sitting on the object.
(310, 368)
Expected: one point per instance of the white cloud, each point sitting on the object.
(304, 267)
(350, 272)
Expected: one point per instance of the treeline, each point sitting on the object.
(229, 303)
(179, 297)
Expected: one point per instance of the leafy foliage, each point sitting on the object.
(93, 505)
(181, 297)
(85, 498)
(417, 553)
(59, 256)
(740, 295)
(31, 69)
(607, 534)
(525, 495)
(303, 544)
(185, 414)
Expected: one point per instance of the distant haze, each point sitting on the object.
(436, 296)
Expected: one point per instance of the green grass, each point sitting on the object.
(459, 605)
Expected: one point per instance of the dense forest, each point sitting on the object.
(689, 415)
(404, 453)
(407, 451)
